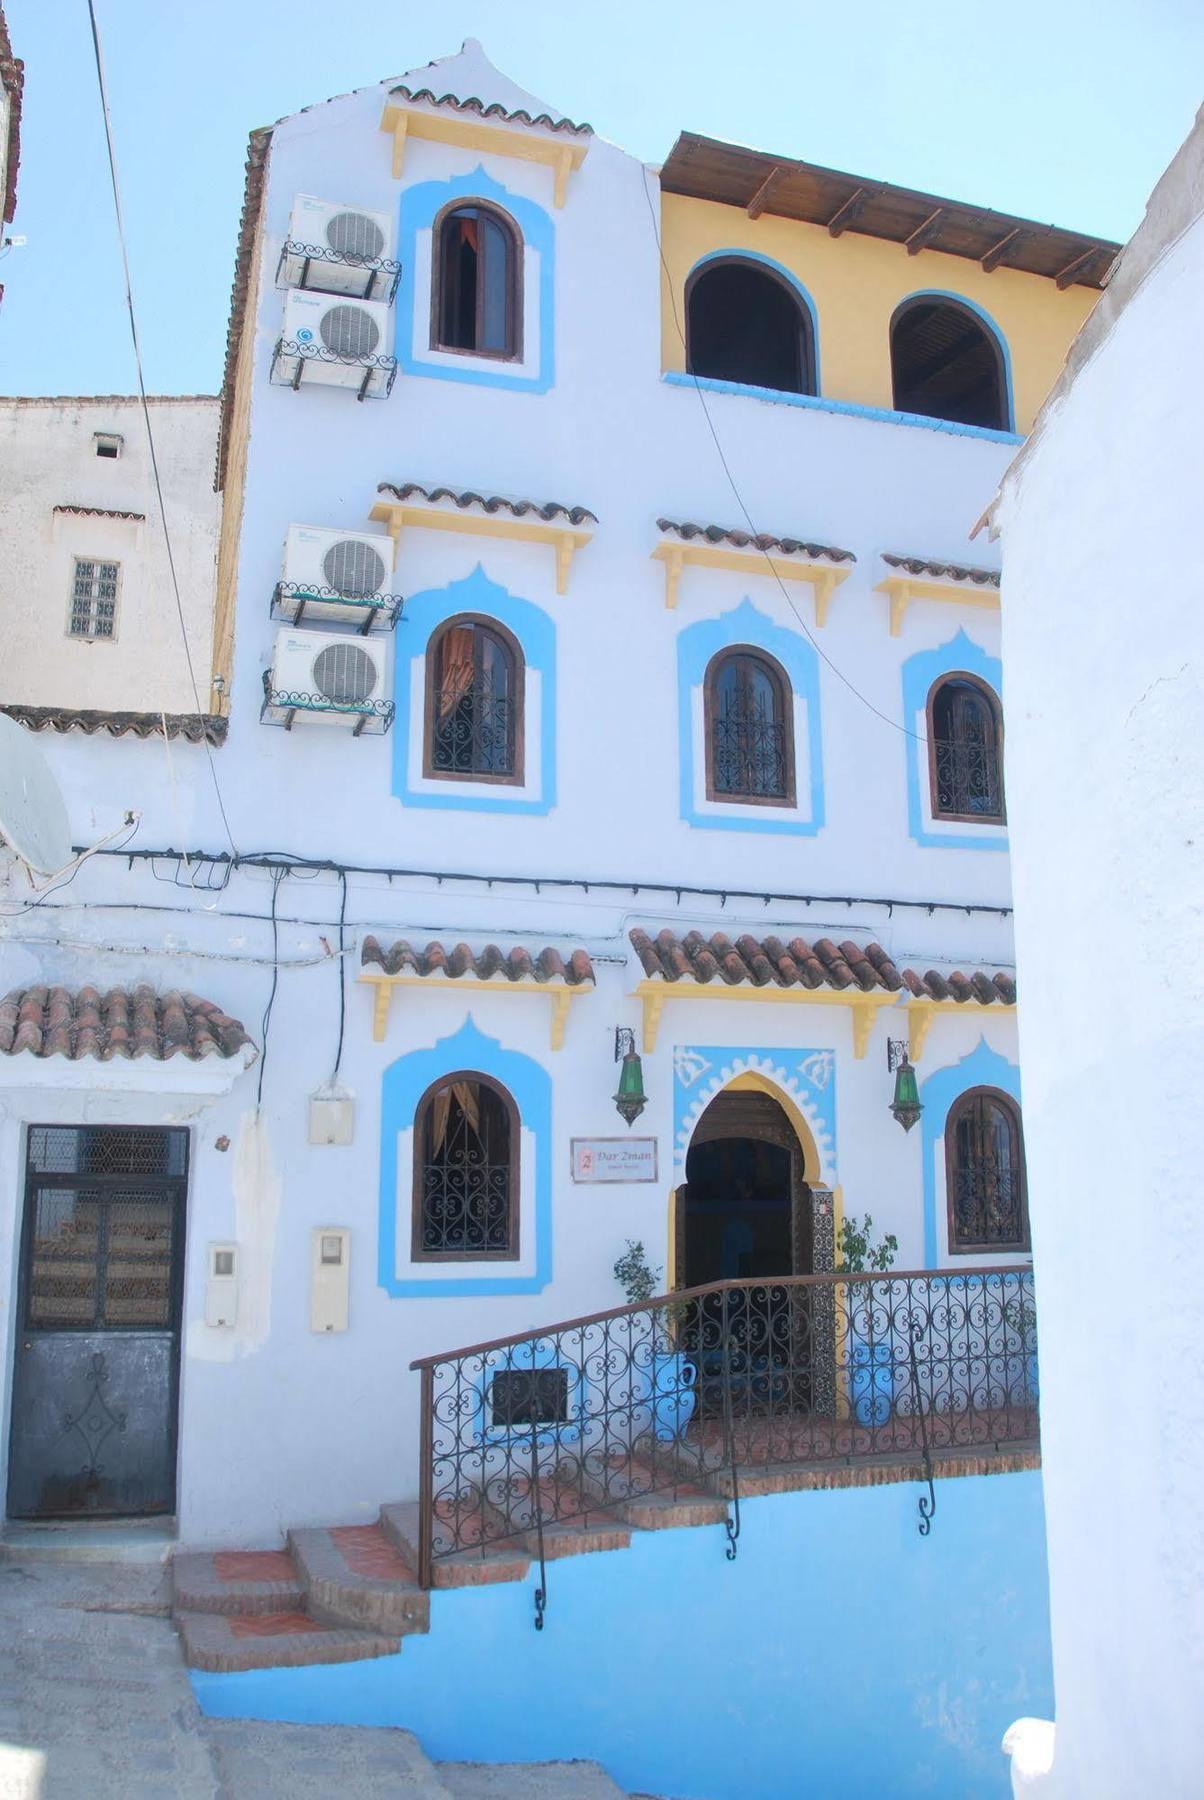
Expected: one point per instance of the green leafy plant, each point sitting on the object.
(857, 1250)
(635, 1274)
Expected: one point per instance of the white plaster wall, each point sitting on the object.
(1102, 651)
(49, 458)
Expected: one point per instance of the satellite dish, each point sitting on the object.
(33, 816)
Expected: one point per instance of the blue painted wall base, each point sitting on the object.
(841, 1654)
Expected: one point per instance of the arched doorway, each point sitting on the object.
(744, 1209)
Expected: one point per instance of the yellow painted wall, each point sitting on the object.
(857, 282)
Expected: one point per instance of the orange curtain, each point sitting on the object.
(465, 1093)
(455, 668)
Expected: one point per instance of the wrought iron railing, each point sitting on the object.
(968, 783)
(316, 266)
(291, 358)
(688, 1390)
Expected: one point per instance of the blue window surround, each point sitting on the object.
(536, 635)
(420, 206)
(695, 648)
(919, 673)
(402, 1087)
(987, 322)
(983, 1067)
(734, 254)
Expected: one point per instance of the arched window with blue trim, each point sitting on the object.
(749, 729)
(984, 1173)
(946, 363)
(965, 751)
(474, 702)
(745, 324)
(477, 296)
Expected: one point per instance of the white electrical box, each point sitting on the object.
(221, 1286)
(331, 1115)
(330, 1278)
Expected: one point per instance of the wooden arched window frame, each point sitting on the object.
(965, 751)
(475, 676)
(947, 362)
(748, 719)
(477, 281)
(985, 1185)
(730, 338)
(466, 1171)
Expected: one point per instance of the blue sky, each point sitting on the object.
(1059, 110)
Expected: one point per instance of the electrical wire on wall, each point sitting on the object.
(338, 1055)
(278, 876)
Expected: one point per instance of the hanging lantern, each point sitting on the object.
(630, 1099)
(905, 1106)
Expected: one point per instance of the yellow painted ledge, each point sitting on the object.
(562, 539)
(560, 995)
(920, 1015)
(903, 589)
(864, 1008)
(525, 142)
(824, 578)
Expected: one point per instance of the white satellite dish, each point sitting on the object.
(33, 815)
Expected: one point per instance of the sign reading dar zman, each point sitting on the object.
(614, 1159)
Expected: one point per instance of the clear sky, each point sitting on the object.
(1059, 110)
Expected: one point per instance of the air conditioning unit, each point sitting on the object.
(335, 343)
(319, 675)
(338, 577)
(337, 249)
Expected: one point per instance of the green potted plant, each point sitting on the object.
(664, 1378)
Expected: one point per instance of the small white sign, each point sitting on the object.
(614, 1159)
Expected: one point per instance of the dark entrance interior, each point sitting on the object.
(98, 1328)
(744, 324)
(945, 364)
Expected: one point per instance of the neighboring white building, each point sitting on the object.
(87, 605)
(1104, 660)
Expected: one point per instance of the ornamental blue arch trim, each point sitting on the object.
(987, 322)
(983, 1067)
(420, 206)
(695, 648)
(806, 1077)
(536, 635)
(403, 1085)
(919, 673)
(735, 254)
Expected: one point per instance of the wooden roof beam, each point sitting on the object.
(997, 252)
(925, 232)
(845, 215)
(760, 199)
(1075, 268)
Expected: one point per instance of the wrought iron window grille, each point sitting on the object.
(291, 359)
(472, 734)
(967, 780)
(312, 266)
(281, 706)
(368, 613)
(467, 1179)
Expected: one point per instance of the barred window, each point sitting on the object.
(984, 1167)
(465, 1172)
(93, 599)
(477, 299)
(749, 729)
(474, 703)
(965, 749)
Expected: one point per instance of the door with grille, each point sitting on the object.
(98, 1327)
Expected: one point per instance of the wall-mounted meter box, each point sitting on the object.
(221, 1286)
(330, 1278)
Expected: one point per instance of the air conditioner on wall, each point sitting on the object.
(335, 343)
(338, 577)
(322, 676)
(338, 249)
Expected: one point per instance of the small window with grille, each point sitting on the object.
(474, 703)
(93, 599)
(107, 444)
(749, 729)
(529, 1397)
(965, 751)
(984, 1169)
(465, 1172)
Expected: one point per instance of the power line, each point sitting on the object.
(739, 498)
(150, 436)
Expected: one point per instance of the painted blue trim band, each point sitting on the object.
(735, 254)
(919, 673)
(695, 648)
(536, 634)
(983, 1067)
(403, 1085)
(851, 409)
(420, 205)
(984, 318)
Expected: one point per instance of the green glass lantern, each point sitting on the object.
(905, 1106)
(630, 1099)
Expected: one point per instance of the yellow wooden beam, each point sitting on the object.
(526, 143)
(824, 578)
(562, 539)
(864, 1007)
(901, 590)
(920, 1014)
(560, 995)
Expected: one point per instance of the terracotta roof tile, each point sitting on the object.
(517, 964)
(741, 540)
(99, 512)
(248, 226)
(12, 80)
(939, 571)
(194, 727)
(491, 503)
(763, 962)
(83, 1022)
(492, 110)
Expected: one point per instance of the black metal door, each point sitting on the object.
(98, 1328)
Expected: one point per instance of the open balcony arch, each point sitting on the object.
(747, 322)
(949, 362)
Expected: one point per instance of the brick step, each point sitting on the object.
(236, 1582)
(571, 1526)
(508, 1560)
(636, 1493)
(355, 1575)
(527, 1781)
(280, 1640)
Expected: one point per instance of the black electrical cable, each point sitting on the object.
(277, 878)
(338, 1055)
